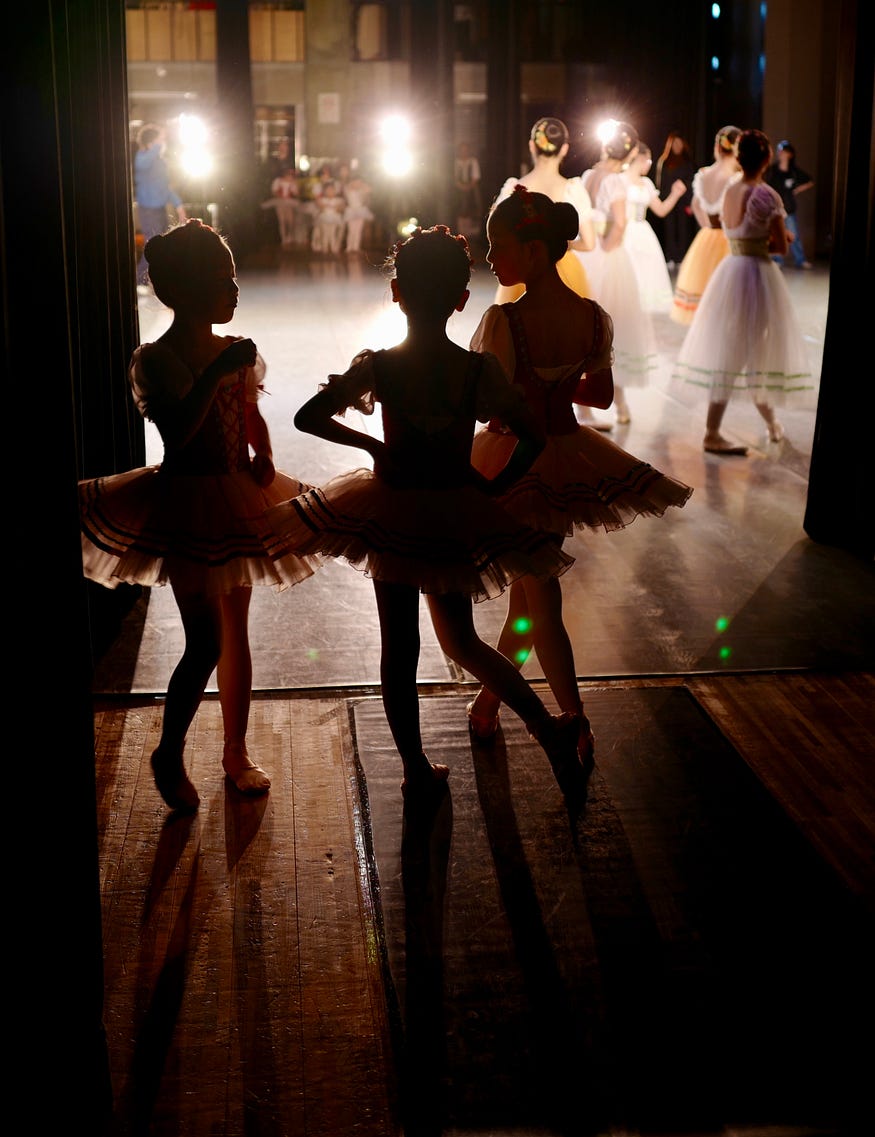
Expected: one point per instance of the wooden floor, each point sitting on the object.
(245, 981)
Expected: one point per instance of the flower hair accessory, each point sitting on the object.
(530, 212)
(540, 139)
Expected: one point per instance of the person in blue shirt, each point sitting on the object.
(153, 193)
(789, 180)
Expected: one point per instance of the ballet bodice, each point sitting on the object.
(219, 445)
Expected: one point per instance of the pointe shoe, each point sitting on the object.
(172, 781)
(425, 782)
(776, 431)
(559, 737)
(481, 728)
(246, 777)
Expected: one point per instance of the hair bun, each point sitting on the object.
(549, 135)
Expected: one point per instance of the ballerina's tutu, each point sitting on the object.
(581, 480)
(210, 530)
(439, 539)
(745, 338)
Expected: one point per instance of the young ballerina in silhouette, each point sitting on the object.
(196, 520)
(423, 520)
(557, 347)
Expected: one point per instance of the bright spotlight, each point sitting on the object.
(606, 130)
(195, 158)
(397, 163)
(395, 130)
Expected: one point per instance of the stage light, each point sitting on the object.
(397, 164)
(606, 130)
(395, 132)
(194, 156)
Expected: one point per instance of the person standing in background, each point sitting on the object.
(678, 226)
(785, 176)
(153, 192)
(466, 179)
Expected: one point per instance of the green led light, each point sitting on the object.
(725, 652)
(312, 654)
(721, 623)
(521, 656)
(522, 625)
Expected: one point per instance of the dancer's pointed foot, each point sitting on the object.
(172, 782)
(246, 777)
(426, 778)
(558, 736)
(720, 445)
(776, 431)
(482, 728)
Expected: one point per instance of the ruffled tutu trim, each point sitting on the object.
(208, 532)
(437, 540)
(580, 480)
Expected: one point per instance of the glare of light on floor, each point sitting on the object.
(388, 327)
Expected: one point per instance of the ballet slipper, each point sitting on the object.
(724, 446)
(246, 777)
(172, 782)
(776, 431)
(428, 778)
(482, 728)
(568, 743)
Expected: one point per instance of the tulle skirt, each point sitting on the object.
(616, 289)
(579, 481)
(440, 540)
(648, 261)
(746, 340)
(207, 533)
(708, 248)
